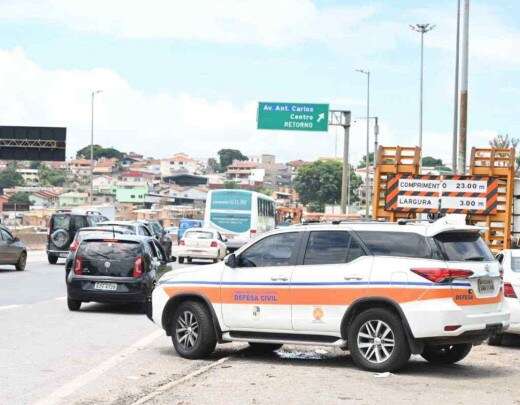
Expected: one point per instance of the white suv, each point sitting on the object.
(381, 290)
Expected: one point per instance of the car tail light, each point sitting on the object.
(252, 233)
(214, 244)
(74, 245)
(440, 275)
(78, 265)
(138, 267)
(509, 291)
(181, 242)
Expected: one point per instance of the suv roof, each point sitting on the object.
(425, 228)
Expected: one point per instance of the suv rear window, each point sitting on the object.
(400, 244)
(464, 246)
(67, 221)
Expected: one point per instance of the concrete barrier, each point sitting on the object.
(33, 240)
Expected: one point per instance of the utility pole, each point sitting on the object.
(342, 118)
(456, 96)
(92, 145)
(367, 160)
(422, 29)
(464, 90)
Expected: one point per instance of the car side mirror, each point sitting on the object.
(224, 240)
(499, 258)
(232, 261)
(173, 259)
(15, 239)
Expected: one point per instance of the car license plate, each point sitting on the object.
(105, 286)
(485, 286)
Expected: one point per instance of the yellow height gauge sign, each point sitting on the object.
(447, 194)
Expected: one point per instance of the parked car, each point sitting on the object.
(200, 243)
(160, 234)
(185, 224)
(12, 250)
(63, 226)
(510, 260)
(120, 269)
(383, 291)
(101, 231)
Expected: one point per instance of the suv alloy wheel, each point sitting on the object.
(377, 341)
(192, 331)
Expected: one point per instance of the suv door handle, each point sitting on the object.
(279, 278)
(353, 278)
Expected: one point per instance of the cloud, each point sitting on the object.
(158, 124)
(267, 22)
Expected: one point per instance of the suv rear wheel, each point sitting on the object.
(496, 340)
(53, 259)
(446, 354)
(377, 341)
(192, 331)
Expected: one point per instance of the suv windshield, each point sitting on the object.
(464, 246)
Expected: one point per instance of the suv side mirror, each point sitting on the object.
(232, 261)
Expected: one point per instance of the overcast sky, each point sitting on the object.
(186, 76)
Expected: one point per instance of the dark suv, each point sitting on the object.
(63, 226)
(115, 269)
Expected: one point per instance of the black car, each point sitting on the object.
(63, 226)
(101, 231)
(118, 269)
(12, 250)
(161, 235)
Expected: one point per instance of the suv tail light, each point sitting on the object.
(440, 275)
(214, 244)
(181, 242)
(138, 267)
(78, 265)
(509, 291)
(74, 245)
(252, 233)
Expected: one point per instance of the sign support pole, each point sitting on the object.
(342, 118)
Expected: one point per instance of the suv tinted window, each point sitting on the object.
(275, 250)
(401, 244)
(464, 246)
(327, 247)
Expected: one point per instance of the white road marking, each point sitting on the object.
(174, 383)
(5, 307)
(77, 383)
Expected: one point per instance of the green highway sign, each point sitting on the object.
(293, 116)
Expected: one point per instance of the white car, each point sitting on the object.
(383, 291)
(510, 260)
(200, 243)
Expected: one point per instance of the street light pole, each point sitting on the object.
(422, 29)
(463, 116)
(92, 145)
(456, 96)
(367, 161)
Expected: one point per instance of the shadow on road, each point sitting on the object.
(120, 309)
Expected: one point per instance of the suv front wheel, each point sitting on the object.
(192, 331)
(446, 354)
(377, 341)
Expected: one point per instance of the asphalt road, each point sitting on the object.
(114, 355)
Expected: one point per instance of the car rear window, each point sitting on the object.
(400, 244)
(114, 250)
(464, 246)
(199, 235)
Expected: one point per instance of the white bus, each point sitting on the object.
(239, 215)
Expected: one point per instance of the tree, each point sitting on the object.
(429, 161)
(213, 166)
(504, 142)
(319, 183)
(9, 177)
(227, 156)
(363, 163)
(50, 177)
(20, 198)
(99, 152)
